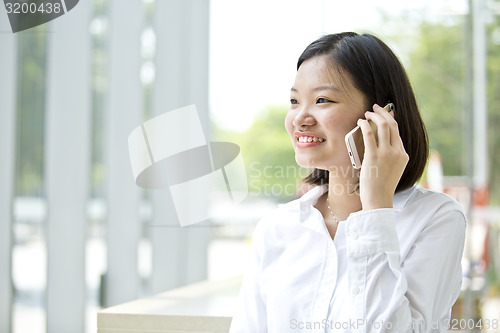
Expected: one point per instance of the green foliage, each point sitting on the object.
(436, 72)
(30, 116)
(268, 154)
(494, 110)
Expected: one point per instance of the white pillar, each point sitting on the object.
(479, 99)
(179, 254)
(67, 160)
(124, 114)
(8, 83)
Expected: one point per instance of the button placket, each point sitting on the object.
(327, 284)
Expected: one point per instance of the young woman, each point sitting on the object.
(364, 250)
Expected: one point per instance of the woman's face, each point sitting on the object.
(323, 110)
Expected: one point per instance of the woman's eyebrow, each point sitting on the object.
(330, 87)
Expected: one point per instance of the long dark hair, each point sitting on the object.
(376, 71)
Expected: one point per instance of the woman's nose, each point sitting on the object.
(303, 118)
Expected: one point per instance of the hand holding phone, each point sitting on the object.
(354, 140)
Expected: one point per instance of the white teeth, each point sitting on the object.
(310, 139)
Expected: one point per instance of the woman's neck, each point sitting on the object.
(343, 195)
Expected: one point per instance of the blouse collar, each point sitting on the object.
(307, 201)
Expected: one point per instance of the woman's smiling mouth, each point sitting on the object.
(308, 139)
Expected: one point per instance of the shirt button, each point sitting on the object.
(355, 290)
(354, 236)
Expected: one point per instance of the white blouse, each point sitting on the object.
(390, 269)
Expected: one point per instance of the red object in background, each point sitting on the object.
(481, 196)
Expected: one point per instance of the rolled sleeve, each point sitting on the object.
(371, 232)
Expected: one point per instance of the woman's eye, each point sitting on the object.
(293, 101)
(323, 100)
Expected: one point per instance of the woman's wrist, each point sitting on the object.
(376, 204)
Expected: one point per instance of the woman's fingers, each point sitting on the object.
(386, 129)
(386, 119)
(368, 135)
(383, 135)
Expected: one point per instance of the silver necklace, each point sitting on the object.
(331, 212)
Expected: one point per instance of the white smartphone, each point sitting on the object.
(354, 140)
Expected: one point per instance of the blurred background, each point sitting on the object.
(77, 234)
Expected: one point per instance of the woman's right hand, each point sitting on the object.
(383, 162)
